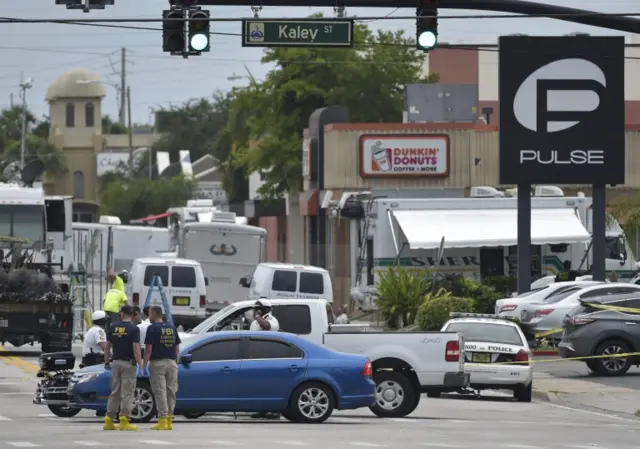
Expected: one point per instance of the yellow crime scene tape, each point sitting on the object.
(533, 362)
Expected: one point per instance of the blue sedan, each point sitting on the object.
(245, 371)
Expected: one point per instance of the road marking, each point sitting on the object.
(9, 383)
(225, 443)
(88, 443)
(591, 412)
(16, 393)
(364, 444)
(343, 419)
(157, 442)
(22, 444)
(46, 415)
(520, 446)
(443, 445)
(292, 443)
(4, 418)
(405, 420)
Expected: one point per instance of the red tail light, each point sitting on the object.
(543, 312)
(522, 356)
(64, 324)
(579, 321)
(367, 371)
(508, 308)
(452, 351)
(136, 299)
(203, 301)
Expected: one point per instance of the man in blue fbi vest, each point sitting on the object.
(124, 338)
(162, 349)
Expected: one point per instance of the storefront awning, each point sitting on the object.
(473, 228)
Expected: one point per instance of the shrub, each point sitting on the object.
(484, 296)
(399, 294)
(435, 311)
(505, 285)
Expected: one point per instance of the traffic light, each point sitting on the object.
(199, 31)
(427, 25)
(173, 31)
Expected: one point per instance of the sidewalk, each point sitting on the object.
(579, 393)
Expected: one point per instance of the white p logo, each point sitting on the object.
(566, 102)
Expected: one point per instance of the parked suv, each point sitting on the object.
(589, 331)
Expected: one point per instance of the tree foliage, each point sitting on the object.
(135, 198)
(37, 145)
(368, 80)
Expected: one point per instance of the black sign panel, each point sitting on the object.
(562, 110)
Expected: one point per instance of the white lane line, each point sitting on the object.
(88, 443)
(364, 444)
(46, 415)
(443, 445)
(22, 444)
(405, 420)
(225, 443)
(292, 443)
(157, 442)
(4, 418)
(521, 446)
(15, 393)
(343, 419)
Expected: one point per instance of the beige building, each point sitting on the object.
(75, 110)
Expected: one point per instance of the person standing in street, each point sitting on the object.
(264, 321)
(124, 338)
(143, 326)
(162, 349)
(95, 340)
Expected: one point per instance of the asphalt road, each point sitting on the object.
(486, 423)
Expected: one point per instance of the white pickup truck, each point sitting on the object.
(405, 364)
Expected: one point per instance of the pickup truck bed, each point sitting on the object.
(38, 321)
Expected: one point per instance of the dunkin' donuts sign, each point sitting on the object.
(404, 155)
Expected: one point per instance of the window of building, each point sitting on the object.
(71, 115)
(89, 115)
(78, 184)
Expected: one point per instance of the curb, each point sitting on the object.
(545, 352)
(541, 395)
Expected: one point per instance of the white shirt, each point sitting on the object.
(92, 340)
(342, 319)
(143, 330)
(255, 326)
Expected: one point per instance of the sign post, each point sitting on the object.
(561, 122)
(297, 33)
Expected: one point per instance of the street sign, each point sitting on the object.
(297, 33)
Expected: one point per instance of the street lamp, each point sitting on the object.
(26, 84)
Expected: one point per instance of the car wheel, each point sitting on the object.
(592, 365)
(63, 411)
(287, 415)
(395, 395)
(310, 403)
(415, 405)
(612, 366)
(144, 404)
(434, 394)
(523, 394)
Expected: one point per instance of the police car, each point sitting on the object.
(489, 342)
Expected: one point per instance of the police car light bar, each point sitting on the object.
(479, 315)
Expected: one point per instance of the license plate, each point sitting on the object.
(181, 301)
(480, 357)
(4, 323)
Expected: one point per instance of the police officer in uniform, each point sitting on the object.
(567, 274)
(95, 340)
(162, 348)
(124, 337)
(116, 297)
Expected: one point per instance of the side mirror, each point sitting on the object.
(245, 282)
(206, 282)
(186, 359)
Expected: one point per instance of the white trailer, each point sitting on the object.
(227, 251)
(477, 237)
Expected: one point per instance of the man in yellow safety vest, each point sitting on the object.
(115, 297)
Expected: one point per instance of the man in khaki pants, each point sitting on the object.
(124, 338)
(162, 348)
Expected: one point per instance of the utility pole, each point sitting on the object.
(130, 126)
(123, 84)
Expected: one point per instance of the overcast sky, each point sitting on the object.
(44, 51)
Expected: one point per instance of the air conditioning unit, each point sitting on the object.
(226, 217)
(200, 203)
(110, 220)
(486, 192)
(549, 191)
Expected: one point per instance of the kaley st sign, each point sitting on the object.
(390, 155)
(562, 110)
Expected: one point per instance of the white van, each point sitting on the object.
(183, 283)
(283, 280)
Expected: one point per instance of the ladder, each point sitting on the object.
(78, 291)
(157, 282)
(363, 242)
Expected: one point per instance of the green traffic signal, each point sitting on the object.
(427, 40)
(427, 26)
(199, 31)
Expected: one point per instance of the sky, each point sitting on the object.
(156, 79)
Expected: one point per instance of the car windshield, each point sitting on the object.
(487, 333)
(212, 319)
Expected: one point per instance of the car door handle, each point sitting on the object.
(630, 323)
(293, 368)
(226, 369)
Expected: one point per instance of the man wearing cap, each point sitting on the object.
(95, 340)
(124, 338)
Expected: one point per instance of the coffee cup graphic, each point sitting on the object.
(381, 156)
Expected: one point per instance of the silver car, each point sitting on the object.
(548, 314)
